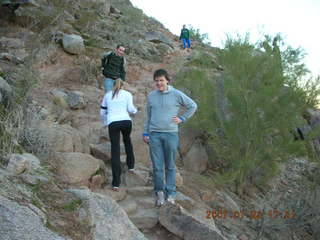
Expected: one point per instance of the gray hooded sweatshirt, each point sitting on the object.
(163, 106)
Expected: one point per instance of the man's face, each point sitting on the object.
(161, 83)
(120, 51)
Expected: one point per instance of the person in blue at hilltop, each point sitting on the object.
(185, 37)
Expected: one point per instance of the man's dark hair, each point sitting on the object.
(160, 73)
(120, 45)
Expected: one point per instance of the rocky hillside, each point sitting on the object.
(55, 155)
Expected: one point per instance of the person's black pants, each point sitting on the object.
(115, 128)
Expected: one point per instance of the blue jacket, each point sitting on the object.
(163, 106)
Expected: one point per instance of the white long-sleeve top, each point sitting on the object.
(118, 108)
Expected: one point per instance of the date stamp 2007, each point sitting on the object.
(252, 214)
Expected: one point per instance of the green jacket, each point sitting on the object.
(184, 33)
(113, 66)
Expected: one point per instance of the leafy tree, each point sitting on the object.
(251, 110)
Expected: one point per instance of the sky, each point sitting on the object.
(297, 20)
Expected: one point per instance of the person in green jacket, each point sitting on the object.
(185, 37)
(113, 65)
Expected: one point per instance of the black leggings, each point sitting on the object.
(115, 128)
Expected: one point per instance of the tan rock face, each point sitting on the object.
(180, 222)
(64, 138)
(187, 138)
(196, 160)
(78, 168)
(20, 163)
(95, 132)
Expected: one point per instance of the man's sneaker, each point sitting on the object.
(170, 199)
(159, 199)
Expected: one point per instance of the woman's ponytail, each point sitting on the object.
(117, 86)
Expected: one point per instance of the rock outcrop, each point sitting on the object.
(23, 222)
(107, 219)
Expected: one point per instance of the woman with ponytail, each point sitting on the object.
(115, 109)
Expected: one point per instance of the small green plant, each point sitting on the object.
(35, 189)
(203, 60)
(73, 205)
(36, 202)
(196, 35)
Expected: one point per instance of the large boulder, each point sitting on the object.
(78, 168)
(63, 138)
(108, 221)
(20, 163)
(158, 37)
(73, 44)
(22, 222)
(178, 221)
(103, 151)
(69, 99)
(95, 132)
(196, 160)
(187, 138)
(77, 100)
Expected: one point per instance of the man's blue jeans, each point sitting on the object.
(163, 148)
(186, 42)
(108, 84)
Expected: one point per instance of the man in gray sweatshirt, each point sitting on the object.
(161, 133)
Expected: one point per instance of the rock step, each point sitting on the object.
(137, 179)
(117, 196)
(145, 218)
(140, 191)
(129, 205)
(146, 202)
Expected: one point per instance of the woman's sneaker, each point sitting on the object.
(159, 198)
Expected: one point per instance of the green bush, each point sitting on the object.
(250, 111)
(196, 35)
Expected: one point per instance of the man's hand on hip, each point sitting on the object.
(146, 139)
(176, 120)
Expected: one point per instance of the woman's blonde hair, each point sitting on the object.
(117, 86)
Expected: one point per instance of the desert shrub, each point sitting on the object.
(196, 35)
(132, 15)
(90, 71)
(249, 112)
(203, 60)
(12, 115)
(296, 210)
